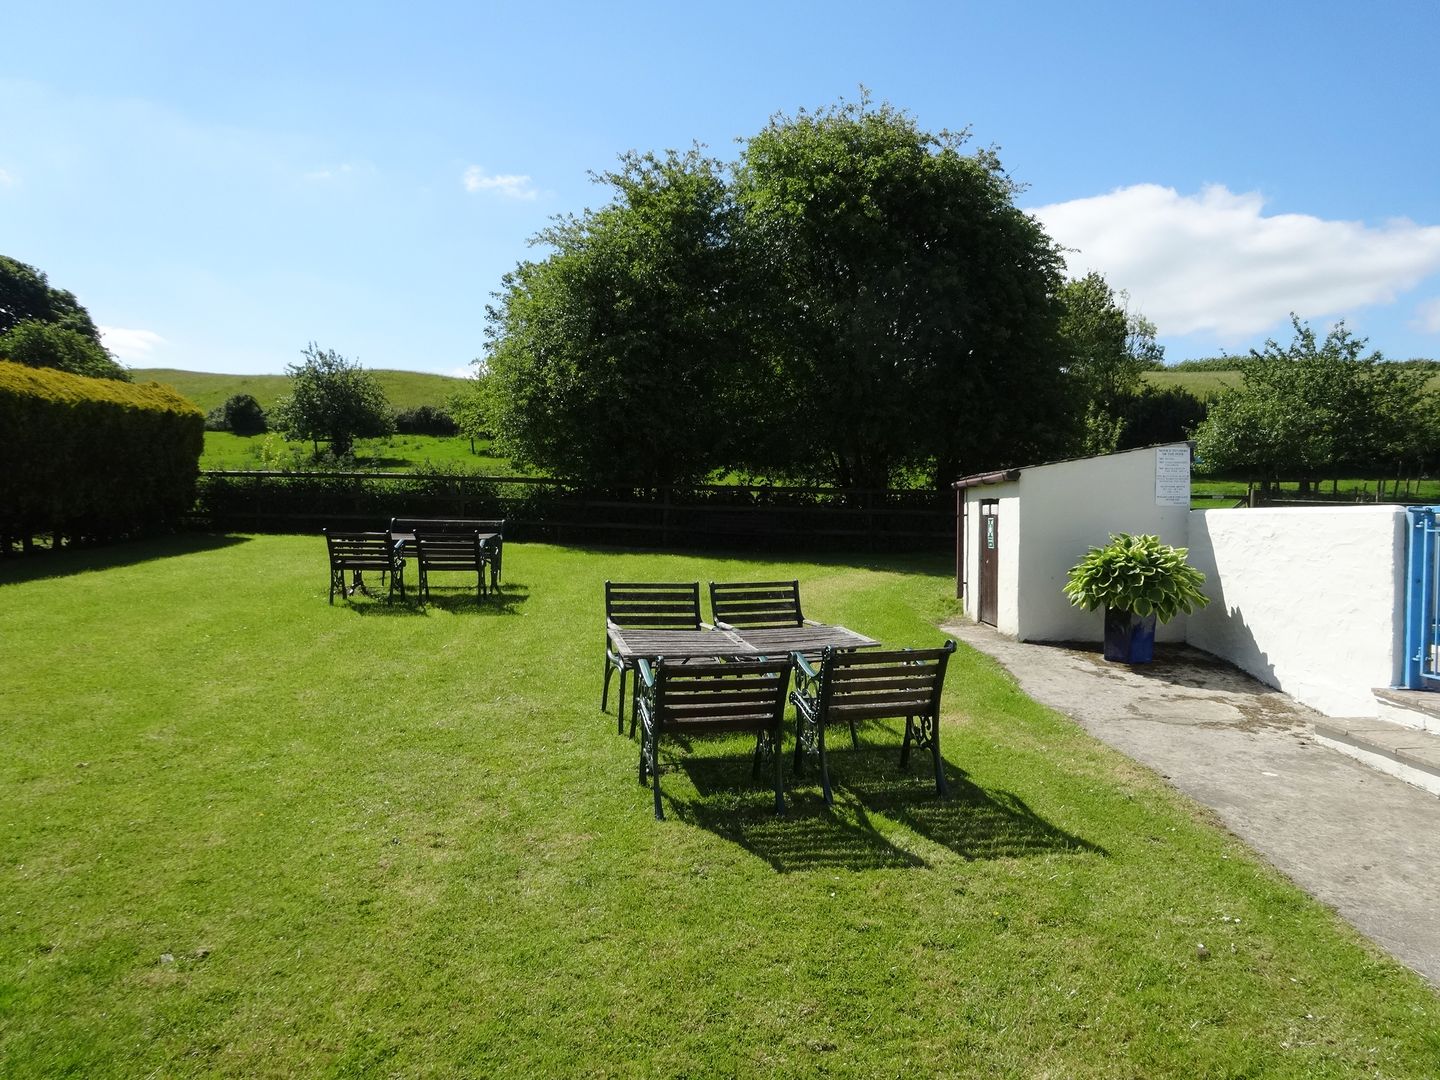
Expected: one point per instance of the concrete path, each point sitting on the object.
(1364, 843)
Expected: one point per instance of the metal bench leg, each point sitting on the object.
(824, 767)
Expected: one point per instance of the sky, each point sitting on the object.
(221, 184)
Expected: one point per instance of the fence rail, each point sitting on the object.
(543, 508)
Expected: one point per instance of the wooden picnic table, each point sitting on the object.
(809, 640)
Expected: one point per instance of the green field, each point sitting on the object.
(404, 389)
(250, 834)
(1203, 384)
(398, 453)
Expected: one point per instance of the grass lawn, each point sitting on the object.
(398, 453)
(246, 833)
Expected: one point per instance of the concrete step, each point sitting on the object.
(1399, 750)
(1418, 709)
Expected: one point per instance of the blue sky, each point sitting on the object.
(222, 183)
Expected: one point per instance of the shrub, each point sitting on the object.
(425, 420)
(93, 459)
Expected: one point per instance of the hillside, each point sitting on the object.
(405, 389)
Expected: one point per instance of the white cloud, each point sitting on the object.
(8, 179)
(510, 186)
(1215, 263)
(131, 346)
(1427, 316)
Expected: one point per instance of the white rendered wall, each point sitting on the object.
(1007, 608)
(1070, 507)
(1307, 599)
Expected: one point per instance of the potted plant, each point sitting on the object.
(1139, 581)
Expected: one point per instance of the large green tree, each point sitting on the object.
(45, 327)
(614, 358)
(906, 310)
(332, 399)
(1314, 410)
(52, 345)
(1107, 350)
(25, 293)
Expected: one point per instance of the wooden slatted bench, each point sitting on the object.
(756, 604)
(849, 687)
(491, 529)
(682, 701)
(648, 605)
(451, 552)
(355, 552)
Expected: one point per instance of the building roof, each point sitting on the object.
(1005, 476)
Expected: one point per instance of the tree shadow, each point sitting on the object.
(44, 563)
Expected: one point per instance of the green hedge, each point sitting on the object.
(92, 459)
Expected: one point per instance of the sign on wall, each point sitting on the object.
(1172, 476)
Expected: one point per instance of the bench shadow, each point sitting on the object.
(504, 601)
(973, 822)
(44, 563)
(808, 836)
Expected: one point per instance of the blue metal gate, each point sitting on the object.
(1422, 612)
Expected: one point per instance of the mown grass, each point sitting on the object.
(246, 833)
(404, 389)
(1204, 384)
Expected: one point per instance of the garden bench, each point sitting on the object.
(491, 529)
(682, 701)
(649, 605)
(451, 552)
(848, 687)
(356, 552)
(756, 604)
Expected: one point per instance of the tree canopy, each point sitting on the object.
(1107, 350)
(854, 301)
(45, 327)
(905, 308)
(611, 359)
(25, 293)
(53, 345)
(1314, 410)
(333, 399)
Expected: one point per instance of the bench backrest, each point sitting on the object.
(707, 698)
(871, 685)
(360, 550)
(449, 550)
(756, 604)
(653, 605)
(447, 525)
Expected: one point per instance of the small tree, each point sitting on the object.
(244, 416)
(333, 399)
(51, 345)
(1108, 348)
(467, 409)
(1311, 410)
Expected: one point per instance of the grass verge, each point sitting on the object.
(246, 833)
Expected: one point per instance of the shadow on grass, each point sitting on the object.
(44, 563)
(972, 822)
(503, 601)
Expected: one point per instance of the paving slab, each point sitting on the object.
(1364, 843)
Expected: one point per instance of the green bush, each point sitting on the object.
(92, 459)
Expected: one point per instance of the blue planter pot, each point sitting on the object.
(1129, 638)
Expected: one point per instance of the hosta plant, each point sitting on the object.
(1138, 574)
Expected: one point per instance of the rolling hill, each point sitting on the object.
(405, 389)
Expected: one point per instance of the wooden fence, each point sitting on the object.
(543, 508)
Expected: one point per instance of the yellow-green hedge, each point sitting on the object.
(93, 459)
